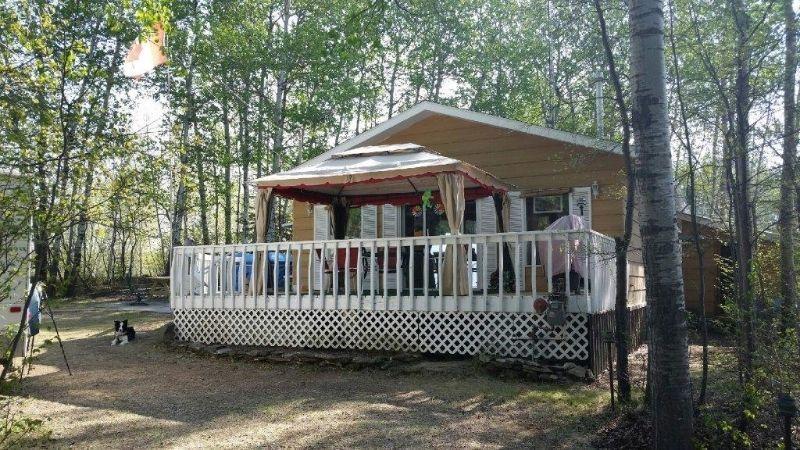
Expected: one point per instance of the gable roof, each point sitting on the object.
(426, 109)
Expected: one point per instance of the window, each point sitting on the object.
(541, 212)
(548, 204)
(545, 209)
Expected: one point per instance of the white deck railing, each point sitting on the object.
(356, 274)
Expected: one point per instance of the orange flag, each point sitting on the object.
(145, 56)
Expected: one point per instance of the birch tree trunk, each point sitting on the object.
(621, 244)
(671, 395)
(226, 193)
(201, 190)
(742, 208)
(244, 142)
(278, 122)
(179, 212)
(787, 220)
(692, 198)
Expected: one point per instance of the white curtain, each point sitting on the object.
(263, 197)
(563, 245)
(451, 190)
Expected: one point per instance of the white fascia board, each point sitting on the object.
(425, 109)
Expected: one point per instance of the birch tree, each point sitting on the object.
(787, 221)
(671, 396)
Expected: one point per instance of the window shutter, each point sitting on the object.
(486, 223)
(322, 232)
(517, 224)
(322, 223)
(517, 212)
(391, 221)
(580, 204)
(369, 221)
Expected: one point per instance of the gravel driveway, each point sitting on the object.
(148, 395)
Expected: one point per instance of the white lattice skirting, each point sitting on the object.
(467, 333)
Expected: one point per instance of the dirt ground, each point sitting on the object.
(149, 395)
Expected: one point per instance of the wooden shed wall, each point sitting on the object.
(691, 275)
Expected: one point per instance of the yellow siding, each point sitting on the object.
(303, 222)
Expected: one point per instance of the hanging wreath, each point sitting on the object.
(438, 209)
(416, 211)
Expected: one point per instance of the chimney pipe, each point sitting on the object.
(598, 103)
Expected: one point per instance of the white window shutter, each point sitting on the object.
(322, 223)
(369, 221)
(517, 223)
(486, 223)
(580, 204)
(322, 232)
(391, 221)
(517, 212)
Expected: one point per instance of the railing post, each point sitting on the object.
(485, 270)
(549, 267)
(296, 271)
(335, 274)
(398, 273)
(360, 274)
(323, 254)
(500, 271)
(243, 275)
(426, 282)
(372, 278)
(567, 263)
(287, 253)
(469, 273)
(385, 275)
(346, 272)
(276, 253)
(192, 264)
(589, 279)
(518, 276)
(534, 250)
(410, 272)
(182, 276)
(310, 275)
(212, 276)
(439, 271)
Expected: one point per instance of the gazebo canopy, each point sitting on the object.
(381, 174)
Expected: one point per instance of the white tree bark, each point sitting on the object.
(671, 395)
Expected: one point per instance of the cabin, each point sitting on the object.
(440, 230)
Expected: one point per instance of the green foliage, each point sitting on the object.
(17, 431)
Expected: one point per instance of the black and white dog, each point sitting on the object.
(123, 333)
